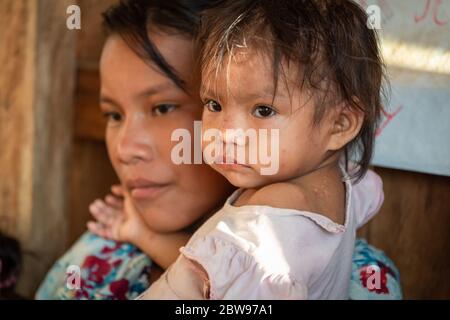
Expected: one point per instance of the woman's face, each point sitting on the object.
(143, 107)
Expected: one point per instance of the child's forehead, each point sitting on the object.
(255, 69)
(242, 56)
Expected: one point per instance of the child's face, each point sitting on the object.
(245, 101)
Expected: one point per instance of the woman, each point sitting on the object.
(148, 89)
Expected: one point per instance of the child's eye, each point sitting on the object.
(162, 109)
(213, 106)
(112, 116)
(263, 112)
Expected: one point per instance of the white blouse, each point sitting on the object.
(262, 252)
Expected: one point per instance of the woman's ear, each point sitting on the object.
(346, 125)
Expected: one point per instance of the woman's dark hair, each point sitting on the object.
(335, 53)
(132, 19)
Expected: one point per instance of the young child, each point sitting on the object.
(312, 71)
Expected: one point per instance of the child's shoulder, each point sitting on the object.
(368, 196)
(281, 195)
(285, 195)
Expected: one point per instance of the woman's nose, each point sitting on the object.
(135, 144)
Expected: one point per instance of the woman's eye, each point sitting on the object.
(213, 106)
(263, 112)
(113, 116)
(161, 109)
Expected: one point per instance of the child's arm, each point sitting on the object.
(117, 219)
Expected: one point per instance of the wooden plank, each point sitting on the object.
(92, 36)
(91, 178)
(413, 228)
(88, 121)
(36, 92)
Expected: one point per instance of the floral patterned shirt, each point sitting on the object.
(109, 270)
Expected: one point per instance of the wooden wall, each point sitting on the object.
(52, 165)
(413, 228)
(37, 80)
(55, 172)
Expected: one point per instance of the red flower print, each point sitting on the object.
(374, 278)
(108, 250)
(82, 292)
(117, 263)
(97, 268)
(119, 289)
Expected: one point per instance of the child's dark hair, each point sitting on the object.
(336, 53)
(10, 265)
(132, 19)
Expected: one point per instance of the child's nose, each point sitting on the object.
(234, 136)
(233, 126)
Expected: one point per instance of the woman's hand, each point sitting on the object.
(116, 221)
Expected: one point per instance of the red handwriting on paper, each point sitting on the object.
(436, 5)
(388, 118)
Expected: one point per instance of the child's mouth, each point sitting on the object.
(227, 162)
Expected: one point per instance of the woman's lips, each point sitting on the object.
(147, 193)
(145, 189)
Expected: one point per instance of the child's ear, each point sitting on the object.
(346, 124)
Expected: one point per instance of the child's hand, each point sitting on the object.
(114, 220)
(118, 219)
